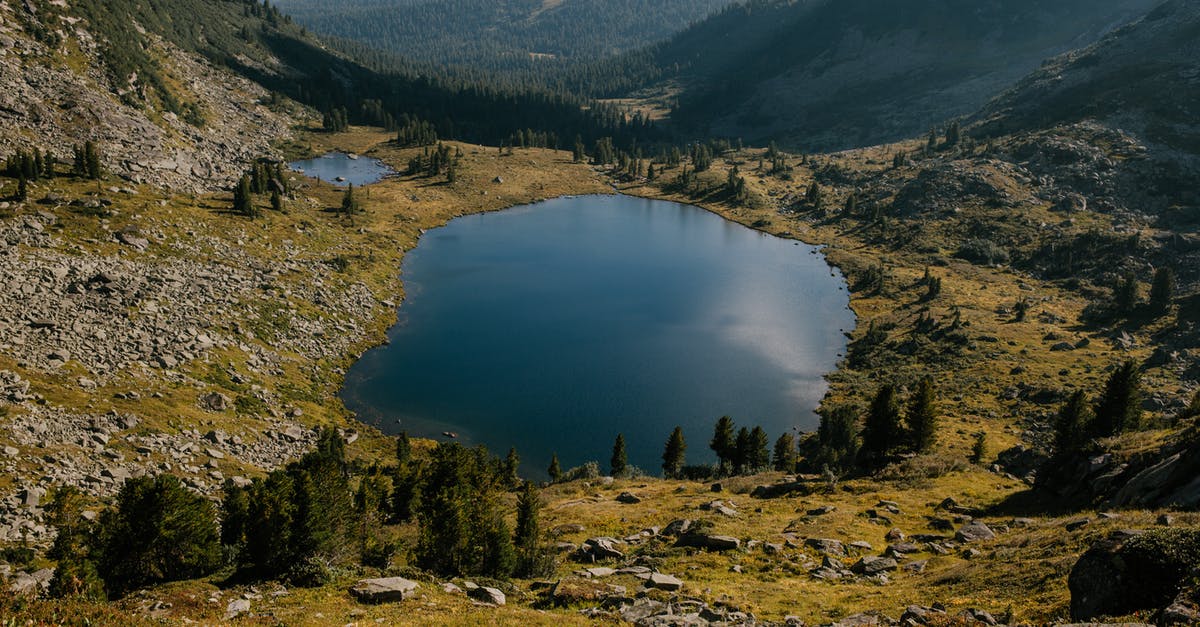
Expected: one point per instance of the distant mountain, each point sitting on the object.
(1143, 78)
(504, 36)
(829, 74)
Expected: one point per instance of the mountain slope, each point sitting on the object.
(829, 75)
(1144, 77)
(501, 35)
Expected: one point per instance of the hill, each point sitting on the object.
(525, 39)
(819, 75)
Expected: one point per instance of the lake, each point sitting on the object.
(330, 167)
(555, 326)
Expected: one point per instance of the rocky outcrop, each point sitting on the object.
(385, 590)
(1132, 571)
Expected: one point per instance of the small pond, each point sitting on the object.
(341, 169)
(555, 326)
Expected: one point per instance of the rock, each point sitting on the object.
(384, 590)
(450, 588)
(628, 498)
(599, 571)
(663, 582)
(894, 535)
(974, 531)
(491, 596)
(236, 608)
(873, 565)
(215, 401)
(598, 549)
(129, 239)
(574, 591)
(821, 511)
(1166, 520)
(1076, 525)
(709, 542)
(677, 527)
(292, 433)
(1121, 575)
(827, 546)
(720, 507)
(10, 451)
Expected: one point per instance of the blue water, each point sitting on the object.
(360, 171)
(553, 327)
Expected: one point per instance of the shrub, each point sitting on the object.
(983, 251)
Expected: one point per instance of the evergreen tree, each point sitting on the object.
(1072, 424)
(461, 526)
(1162, 290)
(276, 201)
(157, 531)
(243, 199)
(75, 573)
(619, 459)
(1119, 408)
(742, 451)
(953, 134)
(1125, 293)
(850, 209)
(91, 154)
(759, 455)
(837, 440)
(674, 454)
(350, 204)
(533, 560)
(723, 443)
(403, 448)
(882, 432)
(22, 187)
(785, 453)
(923, 417)
(509, 471)
(979, 448)
(813, 196)
(555, 471)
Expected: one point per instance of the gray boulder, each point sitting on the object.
(975, 531)
(384, 590)
(491, 596)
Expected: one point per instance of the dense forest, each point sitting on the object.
(528, 42)
(258, 41)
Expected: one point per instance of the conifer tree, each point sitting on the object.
(1072, 425)
(882, 431)
(403, 448)
(742, 451)
(785, 453)
(75, 573)
(1125, 293)
(276, 201)
(837, 439)
(555, 471)
(509, 470)
(1162, 290)
(759, 454)
(532, 558)
(1119, 408)
(350, 204)
(674, 454)
(923, 417)
(850, 209)
(723, 443)
(22, 187)
(979, 448)
(813, 196)
(619, 460)
(243, 199)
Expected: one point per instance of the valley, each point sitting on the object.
(1011, 429)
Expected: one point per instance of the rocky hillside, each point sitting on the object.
(828, 75)
(59, 88)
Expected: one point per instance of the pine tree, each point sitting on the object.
(532, 558)
(509, 470)
(759, 456)
(403, 448)
(22, 187)
(276, 201)
(350, 204)
(850, 209)
(75, 573)
(555, 471)
(1072, 424)
(979, 448)
(923, 417)
(1125, 293)
(243, 199)
(158, 531)
(619, 459)
(674, 454)
(723, 443)
(837, 439)
(813, 196)
(785, 453)
(1119, 408)
(882, 431)
(1162, 290)
(742, 451)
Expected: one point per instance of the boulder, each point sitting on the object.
(709, 542)
(974, 531)
(598, 549)
(236, 608)
(384, 590)
(827, 546)
(1131, 571)
(628, 498)
(215, 401)
(490, 596)
(873, 565)
(663, 582)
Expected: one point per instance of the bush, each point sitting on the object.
(983, 251)
(590, 470)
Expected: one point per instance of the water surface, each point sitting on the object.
(330, 167)
(553, 327)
